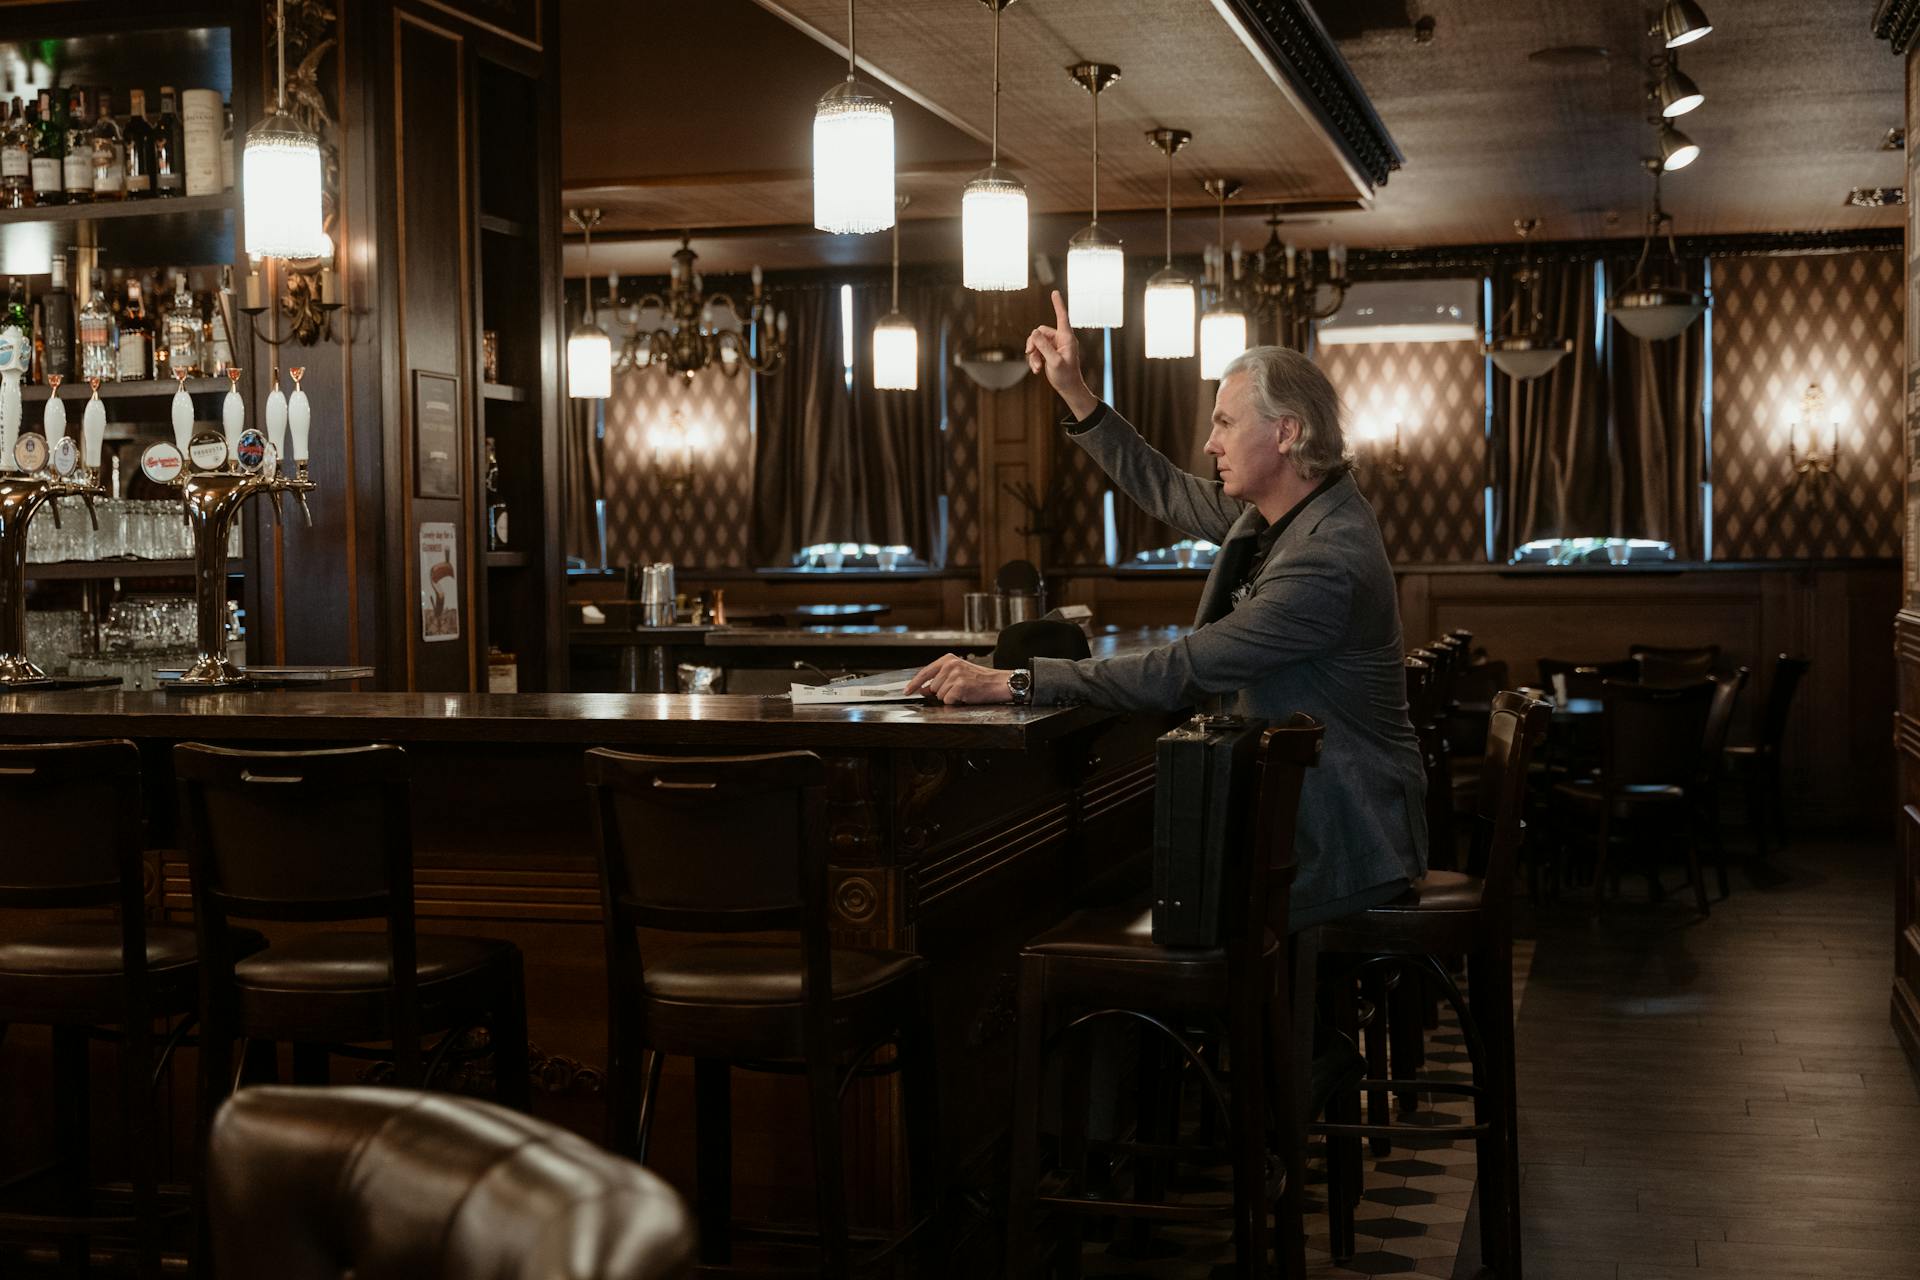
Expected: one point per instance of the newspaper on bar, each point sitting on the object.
(887, 686)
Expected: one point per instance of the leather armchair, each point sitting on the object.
(393, 1184)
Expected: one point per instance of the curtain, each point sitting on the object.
(897, 453)
(582, 478)
(1658, 388)
(1161, 398)
(1553, 456)
(801, 457)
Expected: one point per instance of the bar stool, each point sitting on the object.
(326, 837)
(1104, 963)
(694, 844)
(1759, 761)
(387, 1183)
(1443, 914)
(73, 816)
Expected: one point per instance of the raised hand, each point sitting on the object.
(1051, 349)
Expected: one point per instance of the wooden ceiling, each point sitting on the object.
(698, 117)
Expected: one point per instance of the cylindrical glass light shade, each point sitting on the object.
(589, 363)
(1169, 316)
(993, 232)
(280, 183)
(1223, 335)
(852, 160)
(1096, 280)
(896, 354)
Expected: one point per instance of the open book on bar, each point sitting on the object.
(887, 686)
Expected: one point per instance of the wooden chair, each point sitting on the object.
(1651, 738)
(1758, 762)
(1705, 792)
(1586, 679)
(1445, 913)
(1674, 665)
(731, 846)
(1104, 963)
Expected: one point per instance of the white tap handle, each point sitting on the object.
(182, 419)
(9, 419)
(93, 432)
(55, 422)
(277, 420)
(233, 418)
(300, 418)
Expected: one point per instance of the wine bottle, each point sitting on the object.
(139, 147)
(56, 323)
(169, 165)
(76, 165)
(16, 160)
(200, 146)
(134, 360)
(109, 151)
(49, 150)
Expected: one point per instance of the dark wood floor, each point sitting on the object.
(1721, 1098)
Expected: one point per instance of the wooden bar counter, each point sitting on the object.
(956, 832)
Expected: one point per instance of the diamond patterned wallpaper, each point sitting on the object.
(1779, 324)
(964, 530)
(708, 527)
(1434, 513)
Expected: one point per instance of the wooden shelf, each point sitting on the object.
(100, 570)
(506, 559)
(505, 226)
(501, 391)
(77, 393)
(115, 210)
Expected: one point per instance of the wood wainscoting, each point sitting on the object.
(1906, 893)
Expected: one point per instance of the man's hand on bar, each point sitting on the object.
(954, 680)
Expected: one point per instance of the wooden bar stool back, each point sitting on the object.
(73, 817)
(325, 838)
(696, 845)
(1104, 963)
(1674, 665)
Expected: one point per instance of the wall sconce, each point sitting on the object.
(1379, 448)
(1813, 437)
(676, 447)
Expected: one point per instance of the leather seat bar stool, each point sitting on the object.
(729, 846)
(1652, 739)
(1099, 964)
(1759, 761)
(389, 1184)
(72, 813)
(1443, 914)
(325, 837)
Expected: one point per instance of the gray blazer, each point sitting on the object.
(1319, 633)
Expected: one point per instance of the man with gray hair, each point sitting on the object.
(1300, 612)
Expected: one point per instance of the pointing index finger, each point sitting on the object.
(1060, 313)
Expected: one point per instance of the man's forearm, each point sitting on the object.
(1081, 403)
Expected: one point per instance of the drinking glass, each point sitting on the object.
(977, 612)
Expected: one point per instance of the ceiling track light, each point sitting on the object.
(1674, 91)
(993, 209)
(852, 154)
(1677, 150)
(1169, 299)
(1096, 264)
(1681, 22)
(1223, 328)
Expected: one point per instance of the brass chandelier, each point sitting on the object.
(690, 330)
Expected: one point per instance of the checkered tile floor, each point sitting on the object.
(1409, 1219)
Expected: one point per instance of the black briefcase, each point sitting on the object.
(1202, 809)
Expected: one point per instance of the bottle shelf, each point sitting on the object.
(99, 570)
(506, 559)
(147, 389)
(501, 391)
(116, 210)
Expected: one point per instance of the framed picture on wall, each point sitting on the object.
(436, 435)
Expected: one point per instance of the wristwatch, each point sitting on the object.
(1020, 685)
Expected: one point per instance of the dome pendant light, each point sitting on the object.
(896, 343)
(1169, 292)
(589, 351)
(1096, 265)
(1676, 92)
(993, 210)
(1223, 329)
(1644, 307)
(852, 155)
(1677, 150)
(1525, 353)
(280, 177)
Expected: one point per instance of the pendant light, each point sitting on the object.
(993, 211)
(896, 343)
(1645, 307)
(1525, 351)
(1223, 329)
(1169, 292)
(1096, 265)
(589, 351)
(852, 155)
(280, 177)
(1681, 22)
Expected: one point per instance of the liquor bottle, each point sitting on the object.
(16, 160)
(16, 316)
(169, 165)
(183, 329)
(226, 147)
(96, 333)
(49, 150)
(200, 140)
(496, 506)
(76, 165)
(56, 323)
(139, 147)
(109, 151)
(133, 362)
(217, 353)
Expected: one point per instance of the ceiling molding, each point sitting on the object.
(1897, 22)
(1301, 58)
(1444, 259)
